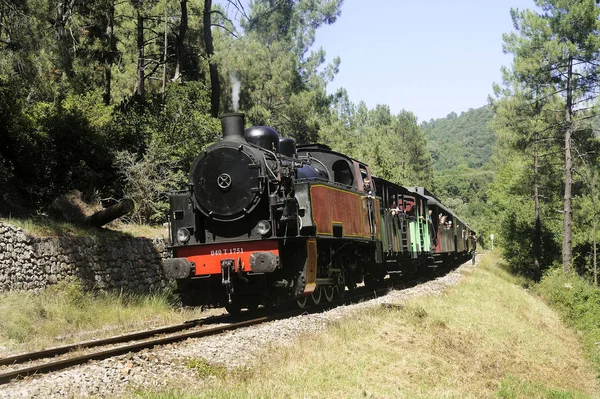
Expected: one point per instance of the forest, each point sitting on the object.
(114, 98)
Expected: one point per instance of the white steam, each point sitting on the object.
(235, 91)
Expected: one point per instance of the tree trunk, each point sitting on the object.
(1, 20)
(110, 54)
(537, 237)
(595, 222)
(165, 55)
(139, 83)
(568, 211)
(63, 13)
(180, 49)
(215, 85)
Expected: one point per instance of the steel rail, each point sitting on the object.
(136, 347)
(61, 350)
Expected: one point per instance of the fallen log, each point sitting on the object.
(109, 214)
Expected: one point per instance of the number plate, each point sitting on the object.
(227, 251)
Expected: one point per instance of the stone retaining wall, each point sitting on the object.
(106, 263)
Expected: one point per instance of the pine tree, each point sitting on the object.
(557, 48)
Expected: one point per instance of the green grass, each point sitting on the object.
(64, 314)
(485, 338)
(204, 369)
(578, 303)
(514, 387)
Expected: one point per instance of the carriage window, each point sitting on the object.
(342, 173)
(368, 185)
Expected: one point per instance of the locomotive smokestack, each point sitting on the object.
(233, 127)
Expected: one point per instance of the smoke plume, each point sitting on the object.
(235, 91)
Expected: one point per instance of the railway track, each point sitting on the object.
(139, 341)
(133, 343)
(52, 352)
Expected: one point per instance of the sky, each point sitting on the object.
(430, 57)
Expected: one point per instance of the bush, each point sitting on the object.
(50, 148)
(147, 182)
(159, 141)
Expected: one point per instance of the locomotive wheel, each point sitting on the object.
(252, 305)
(302, 301)
(341, 285)
(396, 278)
(233, 309)
(316, 295)
(329, 291)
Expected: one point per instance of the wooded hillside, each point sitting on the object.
(461, 147)
(464, 139)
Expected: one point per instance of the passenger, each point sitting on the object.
(367, 186)
(395, 209)
(428, 217)
(474, 242)
(401, 217)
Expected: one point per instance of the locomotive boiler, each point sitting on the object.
(264, 221)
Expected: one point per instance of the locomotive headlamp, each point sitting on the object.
(263, 227)
(183, 235)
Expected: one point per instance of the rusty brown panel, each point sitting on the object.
(333, 205)
(366, 226)
(311, 266)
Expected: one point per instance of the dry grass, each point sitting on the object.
(485, 338)
(65, 314)
(139, 230)
(46, 227)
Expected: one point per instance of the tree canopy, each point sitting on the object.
(544, 110)
(92, 88)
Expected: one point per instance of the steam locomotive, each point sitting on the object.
(265, 221)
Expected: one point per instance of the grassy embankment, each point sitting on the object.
(578, 303)
(65, 314)
(485, 338)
